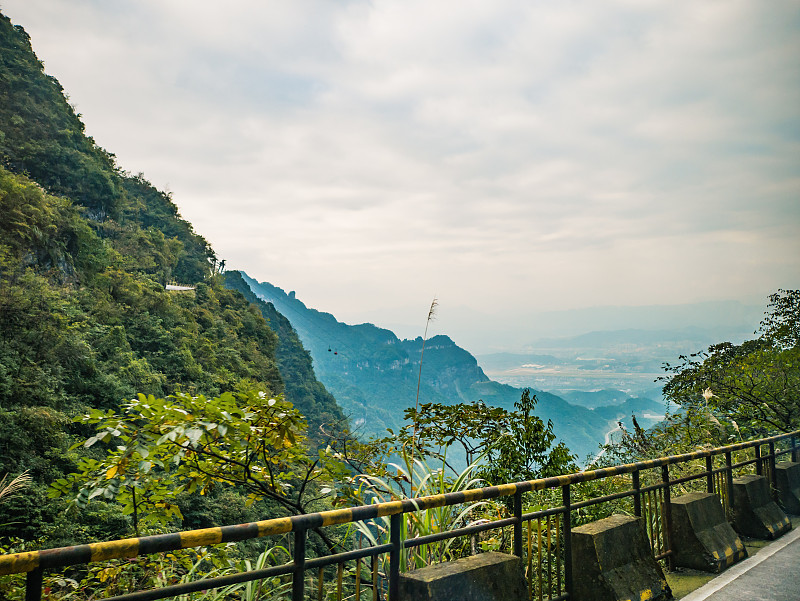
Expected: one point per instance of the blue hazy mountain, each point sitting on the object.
(373, 375)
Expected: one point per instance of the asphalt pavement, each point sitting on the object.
(772, 574)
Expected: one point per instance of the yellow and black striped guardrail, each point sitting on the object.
(36, 561)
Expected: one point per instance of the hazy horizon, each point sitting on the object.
(716, 321)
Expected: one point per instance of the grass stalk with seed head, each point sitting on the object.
(16, 485)
(431, 317)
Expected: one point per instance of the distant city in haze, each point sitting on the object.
(621, 348)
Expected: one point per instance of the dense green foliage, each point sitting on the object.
(754, 387)
(42, 136)
(79, 328)
(83, 324)
(510, 446)
(303, 389)
(85, 320)
(729, 393)
(158, 448)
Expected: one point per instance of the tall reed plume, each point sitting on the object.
(431, 317)
(16, 485)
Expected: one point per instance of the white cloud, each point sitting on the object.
(508, 155)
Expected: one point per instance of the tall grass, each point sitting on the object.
(422, 481)
(11, 488)
(431, 317)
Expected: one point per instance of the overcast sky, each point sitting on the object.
(509, 157)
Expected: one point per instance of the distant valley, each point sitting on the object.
(628, 360)
(373, 376)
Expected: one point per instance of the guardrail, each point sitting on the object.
(546, 553)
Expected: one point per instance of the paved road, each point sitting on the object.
(772, 574)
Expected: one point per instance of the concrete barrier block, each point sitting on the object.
(755, 514)
(702, 537)
(612, 561)
(787, 481)
(484, 577)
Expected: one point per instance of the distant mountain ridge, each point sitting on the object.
(373, 375)
(485, 333)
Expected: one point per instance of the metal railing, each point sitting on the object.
(544, 547)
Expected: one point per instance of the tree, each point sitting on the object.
(156, 448)
(507, 446)
(525, 450)
(756, 384)
(781, 323)
(473, 426)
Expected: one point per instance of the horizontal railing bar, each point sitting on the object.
(603, 499)
(205, 584)
(719, 470)
(650, 487)
(327, 560)
(688, 478)
(65, 556)
(222, 581)
(747, 462)
(542, 513)
(663, 555)
(474, 529)
(703, 474)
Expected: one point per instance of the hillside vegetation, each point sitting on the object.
(85, 321)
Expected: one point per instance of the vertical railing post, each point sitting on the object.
(637, 496)
(565, 499)
(759, 469)
(299, 572)
(395, 528)
(772, 475)
(667, 518)
(518, 524)
(729, 479)
(33, 585)
(710, 474)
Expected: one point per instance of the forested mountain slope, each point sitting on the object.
(374, 376)
(294, 362)
(85, 320)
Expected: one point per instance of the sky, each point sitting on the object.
(508, 157)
